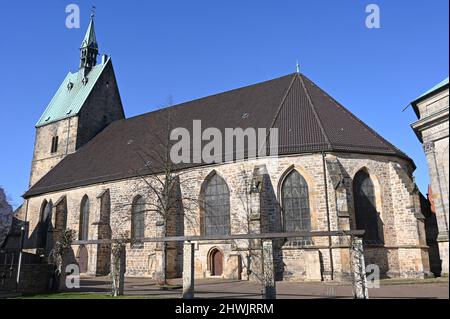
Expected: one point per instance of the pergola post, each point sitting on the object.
(270, 291)
(358, 268)
(118, 268)
(62, 275)
(188, 270)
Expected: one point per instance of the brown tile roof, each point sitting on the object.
(308, 119)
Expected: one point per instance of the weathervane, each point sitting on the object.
(93, 12)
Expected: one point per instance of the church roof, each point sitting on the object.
(71, 95)
(308, 120)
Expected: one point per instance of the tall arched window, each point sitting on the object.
(83, 233)
(216, 205)
(295, 202)
(44, 223)
(366, 215)
(138, 218)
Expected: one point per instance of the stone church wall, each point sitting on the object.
(43, 159)
(402, 253)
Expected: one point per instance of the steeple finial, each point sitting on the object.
(90, 39)
(92, 12)
(297, 67)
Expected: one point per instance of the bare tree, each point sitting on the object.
(58, 255)
(248, 189)
(6, 212)
(160, 182)
(118, 264)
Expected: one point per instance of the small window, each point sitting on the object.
(138, 221)
(54, 148)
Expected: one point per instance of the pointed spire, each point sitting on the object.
(89, 49)
(90, 39)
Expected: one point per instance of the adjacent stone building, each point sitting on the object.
(431, 129)
(5, 216)
(91, 172)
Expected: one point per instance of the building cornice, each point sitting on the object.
(430, 121)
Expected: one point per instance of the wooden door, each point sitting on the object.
(83, 257)
(217, 263)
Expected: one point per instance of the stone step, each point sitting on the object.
(4, 294)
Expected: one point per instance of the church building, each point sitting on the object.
(332, 173)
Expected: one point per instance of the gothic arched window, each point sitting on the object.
(138, 218)
(366, 215)
(216, 205)
(295, 201)
(44, 223)
(83, 233)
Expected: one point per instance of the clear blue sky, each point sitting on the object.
(190, 49)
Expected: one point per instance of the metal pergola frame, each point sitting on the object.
(338, 233)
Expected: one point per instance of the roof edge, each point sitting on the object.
(109, 178)
(437, 89)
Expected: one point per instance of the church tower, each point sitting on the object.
(86, 102)
(89, 50)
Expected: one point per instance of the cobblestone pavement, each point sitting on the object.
(218, 288)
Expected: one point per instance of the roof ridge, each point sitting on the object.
(207, 96)
(283, 100)
(319, 121)
(356, 119)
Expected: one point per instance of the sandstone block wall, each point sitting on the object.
(402, 253)
(43, 159)
(433, 131)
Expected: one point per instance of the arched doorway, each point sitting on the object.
(216, 262)
(82, 259)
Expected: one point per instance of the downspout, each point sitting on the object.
(330, 249)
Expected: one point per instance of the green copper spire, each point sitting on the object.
(89, 39)
(89, 49)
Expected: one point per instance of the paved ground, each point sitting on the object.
(217, 288)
